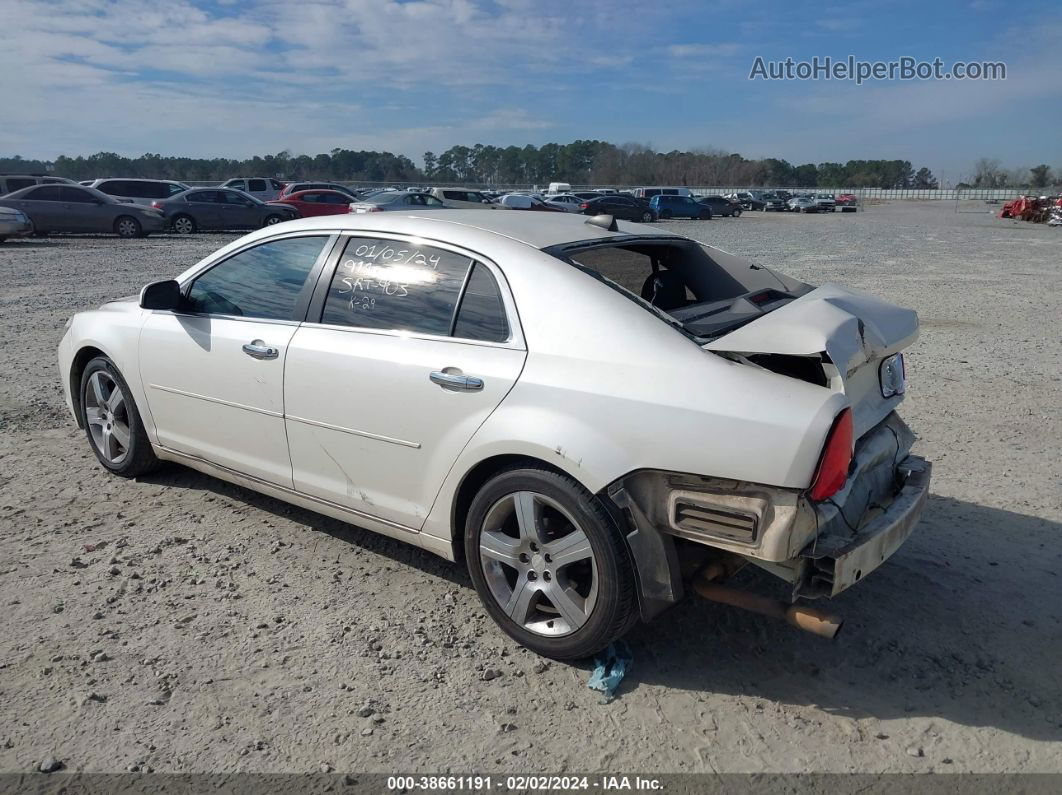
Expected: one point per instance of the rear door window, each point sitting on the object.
(18, 184)
(204, 196)
(394, 285)
(481, 315)
(77, 195)
(258, 185)
(48, 193)
(260, 282)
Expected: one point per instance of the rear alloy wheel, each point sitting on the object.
(736, 213)
(549, 563)
(272, 220)
(112, 422)
(126, 226)
(184, 225)
(647, 217)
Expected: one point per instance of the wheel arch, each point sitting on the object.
(77, 367)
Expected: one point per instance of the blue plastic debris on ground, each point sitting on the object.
(610, 666)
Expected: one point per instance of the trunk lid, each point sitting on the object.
(850, 331)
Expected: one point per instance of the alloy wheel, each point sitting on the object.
(107, 416)
(538, 564)
(184, 225)
(127, 227)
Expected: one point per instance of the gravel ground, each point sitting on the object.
(178, 623)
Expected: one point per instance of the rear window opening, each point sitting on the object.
(702, 291)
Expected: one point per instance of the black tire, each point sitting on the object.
(736, 213)
(272, 220)
(128, 227)
(184, 224)
(647, 217)
(615, 608)
(139, 458)
(666, 215)
(2, 238)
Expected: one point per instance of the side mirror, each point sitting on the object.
(161, 295)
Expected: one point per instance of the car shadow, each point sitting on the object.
(962, 624)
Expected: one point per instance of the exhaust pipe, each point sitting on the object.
(808, 619)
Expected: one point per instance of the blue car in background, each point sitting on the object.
(679, 207)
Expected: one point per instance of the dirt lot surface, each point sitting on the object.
(178, 623)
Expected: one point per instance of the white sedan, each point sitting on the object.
(586, 413)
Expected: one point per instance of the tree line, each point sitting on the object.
(583, 162)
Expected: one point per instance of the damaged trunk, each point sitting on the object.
(833, 337)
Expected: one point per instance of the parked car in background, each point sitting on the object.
(625, 208)
(14, 223)
(557, 188)
(720, 205)
(803, 204)
(772, 201)
(847, 202)
(648, 193)
(535, 395)
(524, 201)
(826, 201)
(568, 202)
(262, 188)
(12, 182)
(309, 203)
(200, 209)
(667, 206)
(74, 208)
(749, 200)
(139, 191)
(462, 198)
(396, 201)
(294, 187)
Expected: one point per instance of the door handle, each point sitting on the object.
(259, 350)
(460, 383)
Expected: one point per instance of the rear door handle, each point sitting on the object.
(259, 350)
(460, 383)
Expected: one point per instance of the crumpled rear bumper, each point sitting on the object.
(839, 560)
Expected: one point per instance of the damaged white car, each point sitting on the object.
(594, 416)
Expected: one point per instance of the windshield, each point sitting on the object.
(702, 291)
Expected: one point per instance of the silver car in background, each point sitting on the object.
(14, 223)
(393, 200)
(138, 191)
(262, 188)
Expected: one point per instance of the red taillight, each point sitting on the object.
(157, 205)
(836, 456)
(584, 206)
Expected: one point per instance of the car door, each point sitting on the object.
(213, 371)
(205, 208)
(86, 212)
(238, 211)
(44, 207)
(259, 188)
(411, 347)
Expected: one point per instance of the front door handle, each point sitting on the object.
(259, 350)
(460, 383)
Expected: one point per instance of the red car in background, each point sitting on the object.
(846, 202)
(317, 202)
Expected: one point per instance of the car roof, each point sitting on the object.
(136, 179)
(471, 227)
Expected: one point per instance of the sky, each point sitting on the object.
(235, 78)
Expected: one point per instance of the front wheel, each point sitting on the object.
(736, 213)
(647, 217)
(272, 220)
(127, 227)
(112, 422)
(549, 563)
